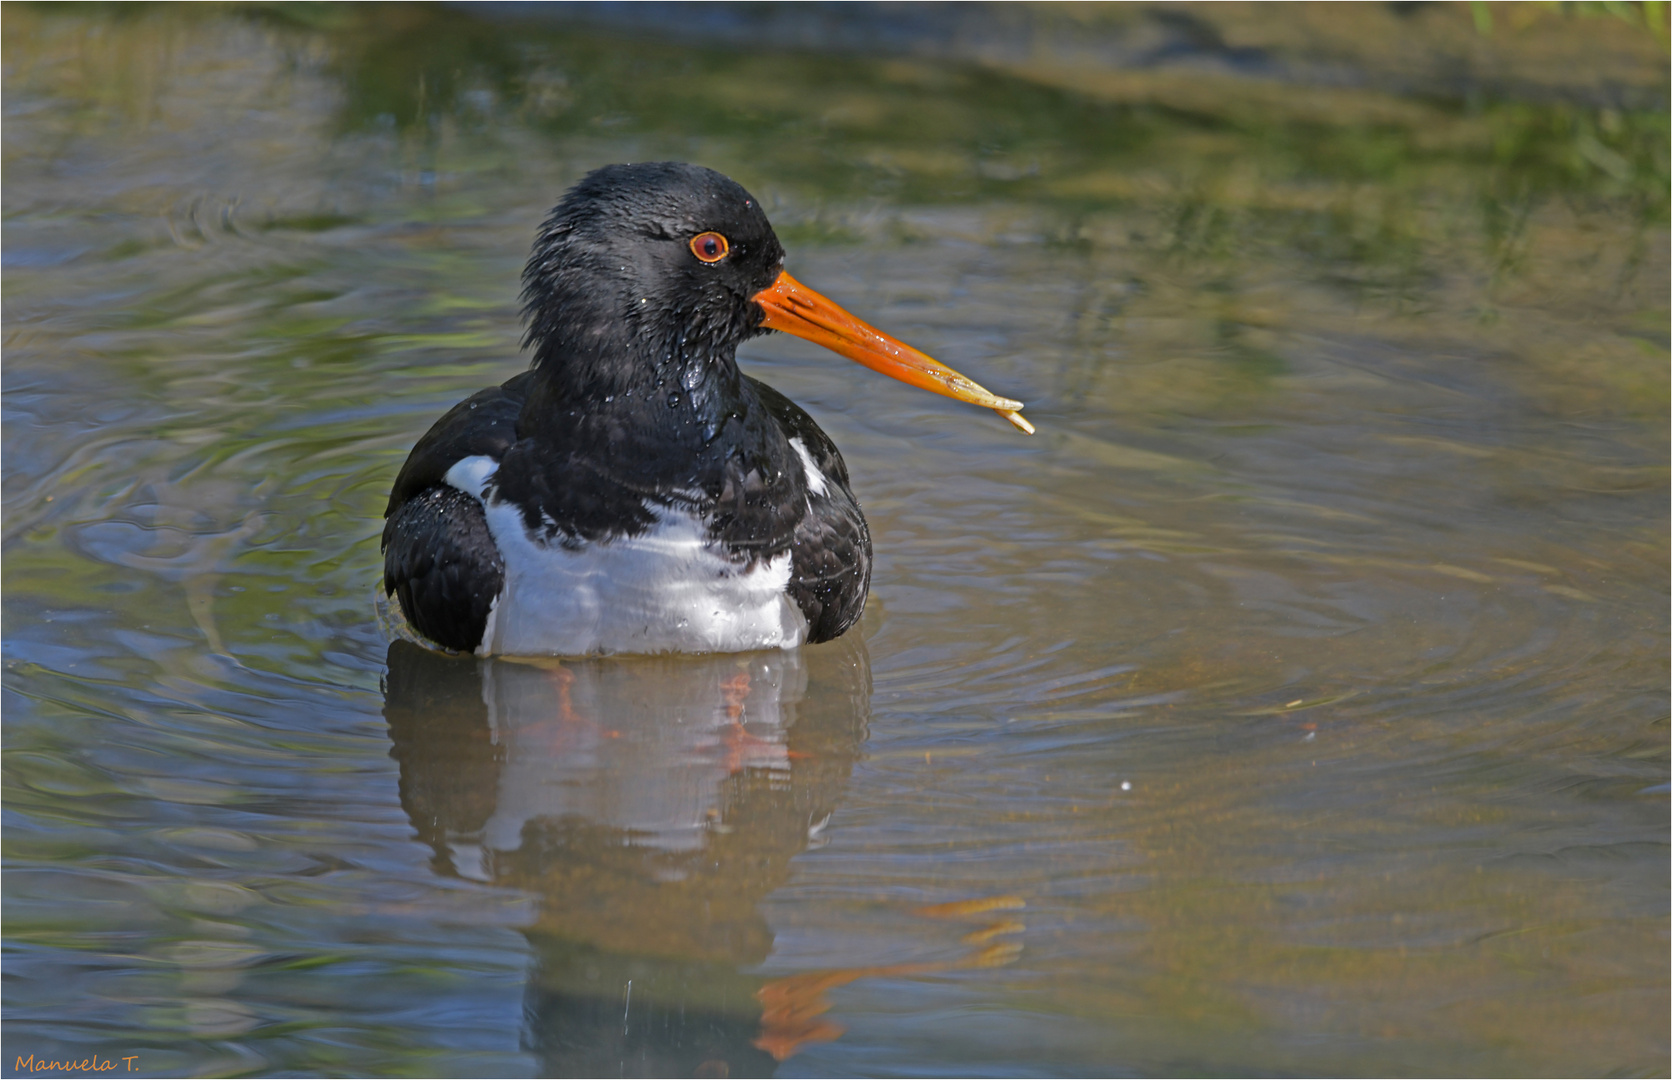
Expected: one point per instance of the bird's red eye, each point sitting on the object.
(710, 247)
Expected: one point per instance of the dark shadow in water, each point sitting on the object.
(649, 804)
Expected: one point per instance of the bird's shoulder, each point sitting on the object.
(484, 424)
(794, 422)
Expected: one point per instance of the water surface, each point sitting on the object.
(1294, 702)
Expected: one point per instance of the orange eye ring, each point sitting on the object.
(710, 247)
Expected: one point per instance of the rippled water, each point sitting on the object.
(1294, 702)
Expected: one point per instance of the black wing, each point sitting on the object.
(483, 423)
(440, 561)
(831, 553)
(439, 558)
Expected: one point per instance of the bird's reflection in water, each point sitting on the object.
(650, 804)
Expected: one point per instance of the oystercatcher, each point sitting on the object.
(632, 491)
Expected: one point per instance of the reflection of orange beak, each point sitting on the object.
(795, 309)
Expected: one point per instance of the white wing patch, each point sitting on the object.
(471, 474)
(815, 479)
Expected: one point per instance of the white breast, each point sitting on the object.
(666, 590)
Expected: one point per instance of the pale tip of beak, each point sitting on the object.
(1015, 418)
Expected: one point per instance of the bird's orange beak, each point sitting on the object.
(795, 309)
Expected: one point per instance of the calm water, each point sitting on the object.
(1294, 702)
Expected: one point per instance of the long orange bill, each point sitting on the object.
(795, 309)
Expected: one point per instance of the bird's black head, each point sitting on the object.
(642, 276)
(642, 283)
